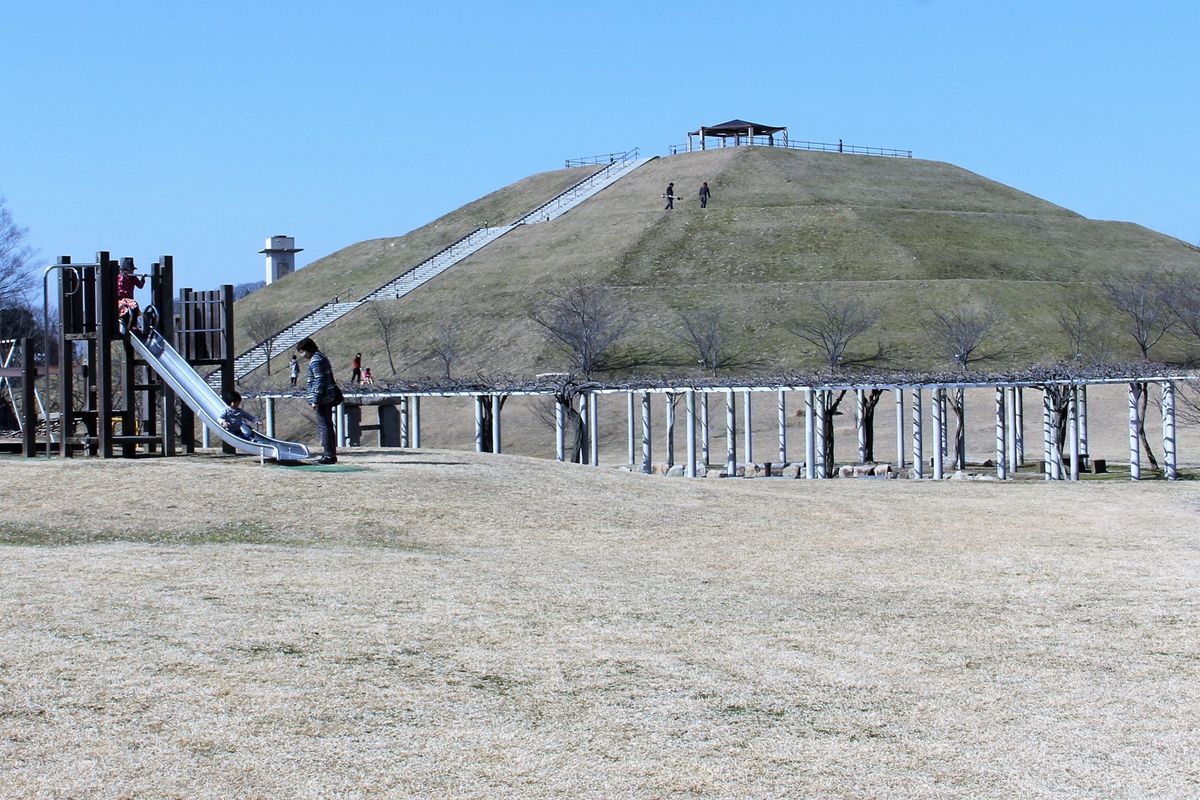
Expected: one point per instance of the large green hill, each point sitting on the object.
(907, 234)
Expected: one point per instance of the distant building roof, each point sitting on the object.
(738, 127)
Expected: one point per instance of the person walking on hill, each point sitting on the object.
(356, 368)
(322, 396)
(670, 195)
(704, 194)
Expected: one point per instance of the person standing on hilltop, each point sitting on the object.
(356, 368)
(704, 194)
(670, 195)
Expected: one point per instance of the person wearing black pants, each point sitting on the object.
(322, 394)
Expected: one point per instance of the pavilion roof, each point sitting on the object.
(738, 127)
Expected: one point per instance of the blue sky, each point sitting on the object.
(199, 129)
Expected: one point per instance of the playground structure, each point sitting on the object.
(117, 406)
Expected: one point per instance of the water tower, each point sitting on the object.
(281, 259)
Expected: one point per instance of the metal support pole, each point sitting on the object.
(1019, 427)
(705, 431)
(583, 423)
(782, 429)
(1135, 449)
(1168, 430)
(340, 427)
(748, 428)
(939, 433)
(271, 417)
(810, 437)
(404, 437)
(415, 431)
(730, 434)
(669, 411)
(918, 453)
(899, 429)
(647, 466)
(1047, 435)
(1001, 433)
(632, 431)
(1075, 429)
(497, 447)
(1010, 423)
(860, 423)
(821, 409)
(594, 433)
(1083, 423)
(560, 439)
(690, 403)
(478, 424)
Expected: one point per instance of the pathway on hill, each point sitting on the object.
(430, 268)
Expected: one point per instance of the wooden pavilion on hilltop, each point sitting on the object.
(737, 129)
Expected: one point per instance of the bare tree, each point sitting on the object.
(1144, 302)
(264, 325)
(16, 261)
(832, 324)
(1085, 333)
(444, 347)
(704, 332)
(960, 336)
(588, 325)
(241, 290)
(388, 320)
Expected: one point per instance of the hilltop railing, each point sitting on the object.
(605, 158)
(791, 144)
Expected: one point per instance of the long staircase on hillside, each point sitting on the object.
(431, 267)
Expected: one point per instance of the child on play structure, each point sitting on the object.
(236, 419)
(127, 308)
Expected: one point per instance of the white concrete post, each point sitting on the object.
(497, 449)
(632, 432)
(416, 421)
(1168, 430)
(782, 402)
(647, 466)
(583, 423)
(478, 424)
(918, 454)
(1047, 436)
(1019, 427)
(899, 428)
(1074, 428)
(669, 409)
(943, 433)
(1083, 422)
(271, 417)
(747, 424)
(404, 421)
(690, 400)
(810, 437)
(1010, 424)
(1135, 450)
(730, 434)
(860, 419)
(594, 433)
(340, 424)
(205, 437)
(821, 409)
(705, 440)
(939, 433)
(560, 436)
(1001, 433)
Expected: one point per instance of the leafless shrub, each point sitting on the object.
(705, 332)
(16, 260)
(833, 323)
(588, 325)
(264, 325)
(1144, 302)
(387, 320)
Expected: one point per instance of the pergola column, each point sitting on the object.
(899, 428)
(1074, 428)
(730, 434)
(939, 433)
(416, 421)
(646, 447)
(1168, 430)
(497, 448)
(583, 423)
(1047, 436)
(1083, 423)
(271, 417)
(747, 424)
(705, 434)
(822, 410)
(669, 407)
(1019, 426)
(690, 403)
(1135, 450)
(782, 402)
(860, 418)
(810, 437)
(594, 433)
(560, 438)
(632, 431)
(1010, 423)
(478, 424)
(918, 453)
(1001, 433)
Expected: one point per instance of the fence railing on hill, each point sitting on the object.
(791, 144)
(604, 158)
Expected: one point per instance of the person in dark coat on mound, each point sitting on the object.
(322, 396)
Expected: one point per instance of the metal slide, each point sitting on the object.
(200, 397)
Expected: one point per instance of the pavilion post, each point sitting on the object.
(669, 416)
(748, 433)
(560, 439)
(647, 466)
(939, 428)
(478, 424)
(1018, 426)
(782, 403)
(271, 417)
(632, 430)
(1168, 430)
(594, 433)
(705, 433)
(918, 455)
(404, 420)
(1135, 450)
(497, 448)
(860, 423)
(899, 428)
(810, 437)
(1001, 433)
(1083, 423)
(730, 434)
(1074, 428)
(690, 404)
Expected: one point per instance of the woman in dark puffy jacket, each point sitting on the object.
(322, 392)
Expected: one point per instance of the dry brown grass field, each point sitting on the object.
(450, 625)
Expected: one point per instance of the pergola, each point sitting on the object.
(737, 129)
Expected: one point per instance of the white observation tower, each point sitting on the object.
(281, 259)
